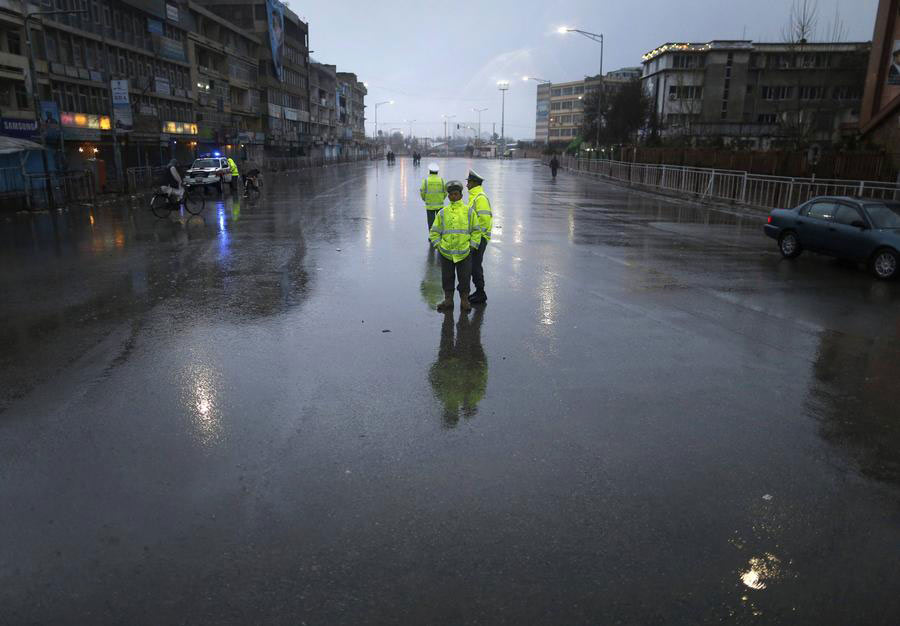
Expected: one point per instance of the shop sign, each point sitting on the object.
(179, 128)
(23, 129)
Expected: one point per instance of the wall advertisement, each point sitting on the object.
(275, 14)
(124, 121)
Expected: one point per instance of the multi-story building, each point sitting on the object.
(187, 76)
(880, 114)
(761, 94)
(351, 114)
(224, 72)
(16, 107)
(560, 105)
(78, 54)
(322, 110)
(283, 70)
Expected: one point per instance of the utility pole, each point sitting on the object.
(36, 100)
(117, 156)
(479, 111)
(503, 85)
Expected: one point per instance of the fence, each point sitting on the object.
(20, 191)
(730, 186)
(802, 164)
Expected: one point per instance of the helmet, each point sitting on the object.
(454, 185)
(433, 167)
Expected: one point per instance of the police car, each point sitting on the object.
(209, 171)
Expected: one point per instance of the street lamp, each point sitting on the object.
(544, 81)
(446, 136)
(598, 38)
(503, 86)
(378, 104)
(479, 112)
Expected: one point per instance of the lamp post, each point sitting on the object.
(36, 98)
(446, 136)
(378, 104)
(544, 81)
(479, 112)
(597, 38)
(503, 86)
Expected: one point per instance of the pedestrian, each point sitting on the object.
(481, 206)
(235, 175)
(456, 234)
(433, 192)
(554, 165)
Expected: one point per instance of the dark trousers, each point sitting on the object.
(477, 270)
(450, 272)
(430, 215)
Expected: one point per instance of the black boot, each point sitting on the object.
(479, 297)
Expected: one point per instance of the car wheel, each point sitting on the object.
(789, 244)
(884, 264)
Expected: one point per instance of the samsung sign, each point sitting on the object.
(23, 129)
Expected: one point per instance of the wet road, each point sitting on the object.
(654, 420)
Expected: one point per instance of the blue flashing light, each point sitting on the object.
(217, 153)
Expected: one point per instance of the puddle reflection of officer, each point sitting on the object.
(459, 376)
(431, 286)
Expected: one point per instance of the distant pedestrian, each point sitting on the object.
(554, 165)
(480, 204)
(433, 192)
(456, 234)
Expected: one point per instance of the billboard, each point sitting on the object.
(50, 118)
(894, 71)
(124, 121)
(275, 13)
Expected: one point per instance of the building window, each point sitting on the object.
(555, 92)
(780, 92)
(687, 61)
(21, 97)
(846, 93)
(13, 43)
(767, 118)
(812, 93)
(685, 92)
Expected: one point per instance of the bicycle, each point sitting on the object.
(162, 203)
(252, 182)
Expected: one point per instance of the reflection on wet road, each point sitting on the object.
(257, 416)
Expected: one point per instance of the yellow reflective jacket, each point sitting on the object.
(433, 192)
(482, 206)
(455, 231)
(233, 166)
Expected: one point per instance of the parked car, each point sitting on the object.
(857, 229)
(209, 171)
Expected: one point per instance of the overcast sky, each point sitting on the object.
(435, 58)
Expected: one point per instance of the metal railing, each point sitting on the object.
(730, 186)
(67, 188)
(144, 177)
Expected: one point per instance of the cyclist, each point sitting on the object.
(173, 187)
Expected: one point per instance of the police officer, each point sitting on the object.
(235, 175)
(433, 193)
(455, 233)
(481, 206)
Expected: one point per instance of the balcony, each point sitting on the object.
(13, 66)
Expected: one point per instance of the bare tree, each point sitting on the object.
(804, 113)
(803, 19)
